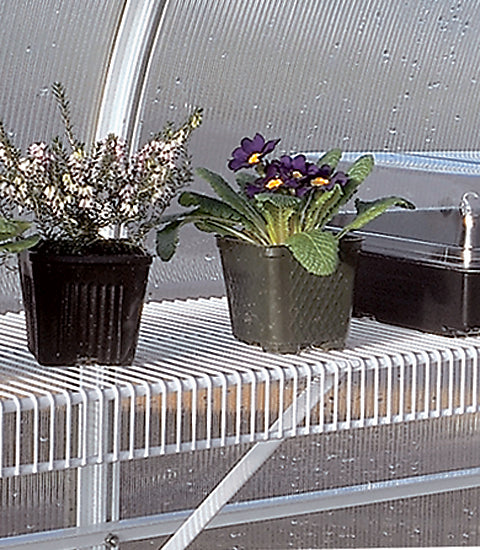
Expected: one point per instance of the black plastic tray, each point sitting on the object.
(419, 269)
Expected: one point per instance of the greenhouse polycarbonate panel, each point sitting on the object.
(192, 386)
(384, 76)
(49, 41)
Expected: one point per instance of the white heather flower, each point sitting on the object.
(24, 164)
(23, 190)
(77, 155)
(9, 189)
(85, 203)
(127, 192)
(50, 192)
(129, 209)
(70, 185)
(38, 150)
(86, 191)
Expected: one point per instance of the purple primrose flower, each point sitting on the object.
(295, 176)
(250, 152)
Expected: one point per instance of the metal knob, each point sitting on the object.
(468, 215)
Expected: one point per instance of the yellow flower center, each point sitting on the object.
(254, 159)
(320, 181)
(296, 174)
(273, 184)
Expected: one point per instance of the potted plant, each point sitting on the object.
(84, 282)
(289, 278)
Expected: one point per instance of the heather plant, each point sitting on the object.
(77, 196)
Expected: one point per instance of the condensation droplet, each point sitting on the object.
(28, 49)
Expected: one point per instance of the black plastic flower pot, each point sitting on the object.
(276, 304)
(83, 309)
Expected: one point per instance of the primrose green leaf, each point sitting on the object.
(332, 158)
(209, 205)
(357, 173)
(321, 208)
(251, 217)
(361, 168)
(368, 211)
(278, 200)
(278, 210)
(167, 240)
(316, 251)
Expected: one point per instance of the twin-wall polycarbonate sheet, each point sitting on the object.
(393, 77)
(193, 386)
(49, 41)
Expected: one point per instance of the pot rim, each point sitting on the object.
(352, 237)
(36, 256)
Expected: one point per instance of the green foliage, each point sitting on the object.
(278, 211)
(316, 251)
(11, 239)
(368, 211)
(277, 215)
(321, 208)
(357, 174)
(332, 158)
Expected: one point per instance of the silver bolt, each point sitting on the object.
(111, 541)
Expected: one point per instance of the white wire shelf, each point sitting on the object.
(193, 386)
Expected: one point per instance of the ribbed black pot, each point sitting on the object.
(83, 309)
(275, 303)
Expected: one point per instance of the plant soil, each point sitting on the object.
(100, 247)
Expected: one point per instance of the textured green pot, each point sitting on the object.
(276, 304)
(83, 308)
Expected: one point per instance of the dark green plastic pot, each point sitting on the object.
(83, 309)
(276, 304)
